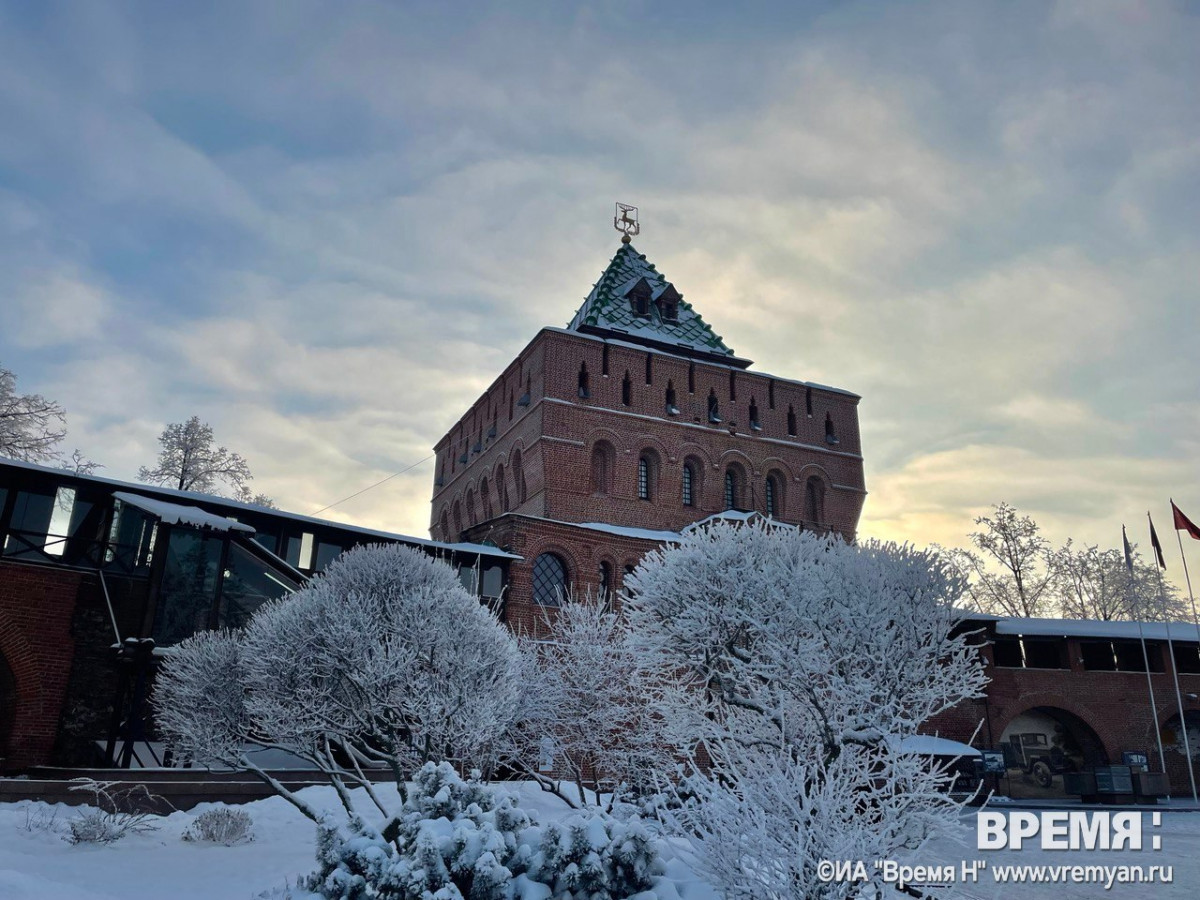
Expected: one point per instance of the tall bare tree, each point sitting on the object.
(190, 460)
(31, 426)
(1012, 572)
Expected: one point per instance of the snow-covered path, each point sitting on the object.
(37, 864)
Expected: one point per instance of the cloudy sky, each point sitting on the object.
(326, 227)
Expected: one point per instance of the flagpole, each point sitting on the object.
(1162, 598)
(1187, 578)
(1162, 757)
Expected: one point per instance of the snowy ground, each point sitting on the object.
(37, 864)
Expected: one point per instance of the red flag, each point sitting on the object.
(1183, 523)
(1162, 563)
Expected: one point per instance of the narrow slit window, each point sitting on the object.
(672, 408)
(626, 390)
(691, 378)
(730, 489)
(584, 393)
(732, 386)
(689, 498)
(770, 395)
(649, 369)
(714, 410)
(643, 479)
(808, 402)
(791, 422)
(769, 496)
(830, 434)
(754, 420)
(604, 360)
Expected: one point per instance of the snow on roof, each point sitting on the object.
(642, 534)
(929, 745)
(645, 534)
(479, 549)
(1178, 631)
(177, 514)
(608, 307)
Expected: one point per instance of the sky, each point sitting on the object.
(325, 227)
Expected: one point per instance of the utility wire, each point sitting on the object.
(375, 485)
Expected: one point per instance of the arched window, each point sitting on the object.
(814, 500)
(549, 580)
(486, 496)
(518, 475)
(626, 390)
(606, 585)
(775, 495)
(754, 420)
(445, 525)
(689, 484)
(791, 422)
(502, 488)
(583, 381)
(602, 466)
(830, 435)
(714, 411)
(629, 592)
(672, 408)
(731, 489)
(643, 478)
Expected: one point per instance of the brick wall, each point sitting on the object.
(554, 435)
(1113, 706)
(36, 606)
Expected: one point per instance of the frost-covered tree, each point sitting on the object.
(586, 702)
(802, 665)
(384, 659)
(1011, 574)
(1096, 584)
(31, 426)
(190, 460)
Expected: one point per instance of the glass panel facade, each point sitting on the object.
(326, 553)
(130, 538)
(248, 584)
(189, 584)
(29, 525)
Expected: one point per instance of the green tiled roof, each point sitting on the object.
(609, 308)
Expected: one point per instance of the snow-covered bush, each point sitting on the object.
(383, 660)
(794, 664)
(585, 706)
(460, 840)
(115, 812)
(221, 825)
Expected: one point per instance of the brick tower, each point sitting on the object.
(605, 438)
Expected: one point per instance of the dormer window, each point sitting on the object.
(668, 303)
(639, 298)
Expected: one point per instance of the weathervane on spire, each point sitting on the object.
(626, 222)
